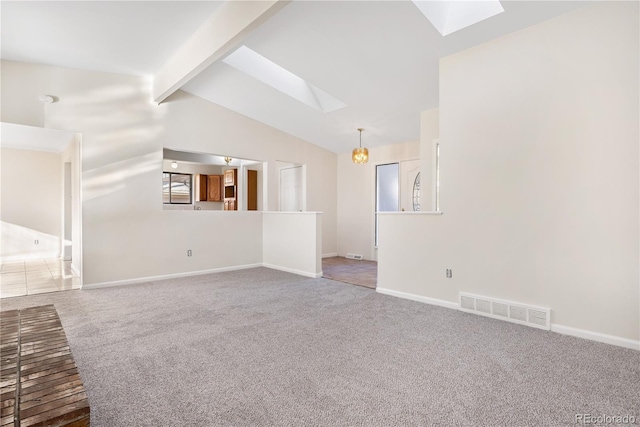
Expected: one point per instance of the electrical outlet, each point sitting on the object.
(189, 252)
(449, 273)
(37, 242)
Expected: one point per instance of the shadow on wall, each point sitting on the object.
(120, 129)
(114, 177)
(23, 243)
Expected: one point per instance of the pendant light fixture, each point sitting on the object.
(360, 155)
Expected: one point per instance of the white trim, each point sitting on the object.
(435, 167)
(330, 255)
(414, 297)
(294, 271)
(409, 213)
(167, 276)
(75, 270)
(31, 148)
(596, 336)
(290, 212)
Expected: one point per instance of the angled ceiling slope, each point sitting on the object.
(378, 57)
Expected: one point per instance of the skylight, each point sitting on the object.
(257, 66)
(449, 16)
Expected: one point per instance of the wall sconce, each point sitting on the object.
(174, 164)
(228, 160)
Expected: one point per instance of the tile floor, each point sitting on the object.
(36, 276)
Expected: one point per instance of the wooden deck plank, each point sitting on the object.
(61, 408)
(54, 376)
(39, 381)
(51, 384)
(42, 394)
(66, 393)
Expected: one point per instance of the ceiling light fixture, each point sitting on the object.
(228, 160)
(360, 155)
(47, 99)
(174, 164)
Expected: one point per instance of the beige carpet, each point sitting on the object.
(265, 348)
(361, 273)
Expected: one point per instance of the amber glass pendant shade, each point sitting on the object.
(360, 155)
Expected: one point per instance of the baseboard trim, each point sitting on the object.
(560, 329)
(29, 257)
(330, 254)
(418, 298)
(596, 336)
(167, 276)
(292, 270)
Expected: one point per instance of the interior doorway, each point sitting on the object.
(292, 194)
(355, 272)
(40, 221)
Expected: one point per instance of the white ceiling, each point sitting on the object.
(125, 37)
(378, 57)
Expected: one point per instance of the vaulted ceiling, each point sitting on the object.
(380, 58)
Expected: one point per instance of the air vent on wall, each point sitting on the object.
(354, 256)
(537, 317)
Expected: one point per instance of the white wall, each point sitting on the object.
(31, 185)
(126, 233)
(356, 196)
(292, 241)
(540, 176)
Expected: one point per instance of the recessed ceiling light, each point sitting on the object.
(47, 99)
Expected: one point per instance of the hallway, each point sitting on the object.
(355, 272)
(36, 276)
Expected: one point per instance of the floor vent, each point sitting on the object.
(354, 256)
(537, 317)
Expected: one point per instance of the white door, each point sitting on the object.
(409, 170)
(291, 189)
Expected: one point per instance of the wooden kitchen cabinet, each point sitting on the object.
(202, 188)
(252, 190)
(230, 177)
(214, 188)
(231, 190)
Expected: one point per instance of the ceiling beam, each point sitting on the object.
(229, 25)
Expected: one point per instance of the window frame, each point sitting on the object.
(190, 202)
